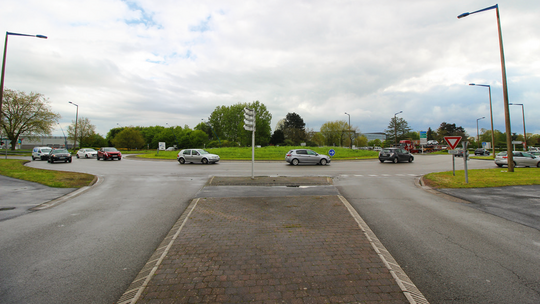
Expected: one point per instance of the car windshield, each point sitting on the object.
(110, 150)
(89, 150)
(203, 152)
(46, 150)
(60, 151)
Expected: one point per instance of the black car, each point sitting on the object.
(59, 155)
(481, 151)
(395, 155)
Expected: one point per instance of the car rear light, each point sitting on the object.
(289, 154)
(505, 156)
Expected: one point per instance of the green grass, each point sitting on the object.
(268, 153)
(483, 178)
(59, 179)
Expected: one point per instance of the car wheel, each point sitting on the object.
(295, 162)
(205, 161)
(515, 164)
(410, 159)
(395, 160)
(500, 166)
(381, 160)
(86, 156)
(181, 161)
(97, 157)
(70, 159)
(77, 156)
(538, 165)
(323, 162)
(119, 158)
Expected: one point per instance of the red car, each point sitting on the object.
(108, 153)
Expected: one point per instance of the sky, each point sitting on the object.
(171, 63)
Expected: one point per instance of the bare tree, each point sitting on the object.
(85, 131)
(26, 114)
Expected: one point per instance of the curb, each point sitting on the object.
(419, 182)
(68, 196)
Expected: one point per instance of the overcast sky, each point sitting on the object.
(146, 63)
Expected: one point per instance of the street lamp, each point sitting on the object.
(524, 132)
(4, 63)
(505, 87)
(65, 139)
(350, 139)
(76, 121)
(477, 133)
(490, 113)
(395, 127)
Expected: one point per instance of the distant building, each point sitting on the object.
(45, 141)
(375, 135)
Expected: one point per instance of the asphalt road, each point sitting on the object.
(89, 249)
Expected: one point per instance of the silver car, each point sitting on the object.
(306, 156)
(196, 156)
(524, 159)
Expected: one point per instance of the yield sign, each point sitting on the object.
(452, 141)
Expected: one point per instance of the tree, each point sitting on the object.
(85, 131)
(374, 143)
(361, 141)
(446, 129)
(129, 138)
(334, 132)
(294, 128)
(430, 134)
(26, 114)
(277, 138)
(398, 127)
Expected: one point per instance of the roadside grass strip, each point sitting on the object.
(484, 178)
(15, 168)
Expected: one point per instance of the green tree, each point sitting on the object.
(447, 129)
(26, 114)
(294, 128)
(397, 127)
(334, 132)
(374, 143)
(85, 131)
(277, 138)
(361, 141)
(430, 134)
(129, 138)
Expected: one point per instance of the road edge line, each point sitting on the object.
(411, 292)
(135, 289)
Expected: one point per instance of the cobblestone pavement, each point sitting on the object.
(292, 249)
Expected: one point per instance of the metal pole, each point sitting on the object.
(524, 132)
(492, 132)
(465, 156)
(2, 79)
(477, 132)
(505, 95)
(253, 147)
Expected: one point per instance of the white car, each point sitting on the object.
(524, 159)
(87, 153)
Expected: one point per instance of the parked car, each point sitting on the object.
(59, 155)
(108, 153)
(306, 156)
(395, 155)
(196, 156)
(87, 153)
(41, 153)
(459, 152)
(432, 142)
(481, 151)
(524, 159)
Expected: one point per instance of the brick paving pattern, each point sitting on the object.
(305, 249)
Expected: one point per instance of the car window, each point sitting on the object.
(518, 154)
(110, 150)
(309, 152)
(60, 151)
(386, 150)
(301, 152)
(45, 150)
(525, 154)
(187, 152)
(195, 152)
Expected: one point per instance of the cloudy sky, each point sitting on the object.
(146, 63)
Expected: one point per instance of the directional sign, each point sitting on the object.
(452, 141)
(332, 152)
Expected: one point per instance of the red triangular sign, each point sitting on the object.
(452, 141)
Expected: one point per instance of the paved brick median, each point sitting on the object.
(305, 249)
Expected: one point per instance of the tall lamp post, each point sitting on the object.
(505, 87)
(395, 127)
(524, 132)
(350, 139)
(490, 114)
(477, 132)
(65, 139)
(76, 121)
(4, 62)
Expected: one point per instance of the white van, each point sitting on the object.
(41, 153)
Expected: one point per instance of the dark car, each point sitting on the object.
(395, 155)
(481, 151)
(108, 153)
(59, 155)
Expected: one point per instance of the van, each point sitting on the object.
(41, 153)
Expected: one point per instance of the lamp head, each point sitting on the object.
(463, 15)
(41, 36)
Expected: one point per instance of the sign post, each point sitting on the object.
(249, 125)
(465, 157)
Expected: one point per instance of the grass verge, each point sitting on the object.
(59, 179)
(483, 178)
